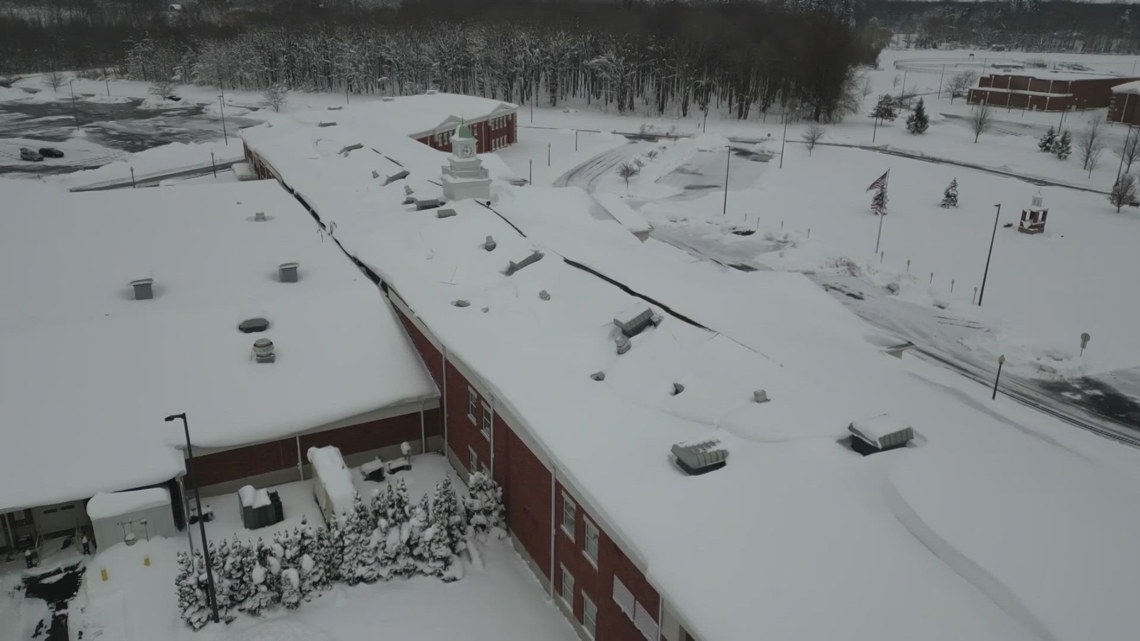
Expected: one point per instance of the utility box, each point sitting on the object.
(260, 508)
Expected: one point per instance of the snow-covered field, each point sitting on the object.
(498, 598)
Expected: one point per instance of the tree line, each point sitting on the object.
(659, 58)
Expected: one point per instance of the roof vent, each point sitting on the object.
(677, 389)
(287, 272)
(760, 396)
(446, 212)
(408, 190)
(544, 295)
(879, 434)
(144, 288)
(399, 175)
(375, 174)
(344, 151)
(529, 260)
(490, 244)
(461, 303)
(253, 325)
(263, 351)
(634, 320)
(622, 343)
(260, 217)
(700, 458)
(331, 123)
(598, 376)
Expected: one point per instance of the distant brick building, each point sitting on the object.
(1045, 91)
(1125, 104)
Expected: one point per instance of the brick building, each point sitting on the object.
(86, 413)
(1044, 91)
(1125, 104)
(518, 308)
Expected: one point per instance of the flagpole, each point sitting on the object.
(880, 235)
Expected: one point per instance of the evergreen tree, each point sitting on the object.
(351, 545)
(307, 570)
(263, 599)
(484, 504)
(192, 600)
(1064, 145)
(439, 556)
(331, 552)
(219, 555)
(315, 545)
(918, 122)
(447, 515)
(879, 201)
(235, 584)
(290, 588)
(1047, 141)
(885, 109)
(950, 196)
(417, 547)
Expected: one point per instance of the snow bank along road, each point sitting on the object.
(587, 174)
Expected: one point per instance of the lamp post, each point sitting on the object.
(989, 255)
(201, 521)
(784, 140)
(74, 110)
(1001, 361)
(222, 107)
(727, 164)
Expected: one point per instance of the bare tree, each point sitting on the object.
(162, 88)
(54, 79)
(1090, 144)
(627, 170)
(1123, 192)
(275, 96)
(865, 88)
(813, 135)
(1130, 149)
(980, 120)
(959, 82)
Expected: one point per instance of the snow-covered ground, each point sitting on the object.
(498, 598)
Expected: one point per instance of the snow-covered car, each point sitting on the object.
(50, 152)
(29, 155)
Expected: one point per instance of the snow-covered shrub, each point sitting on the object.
(484, 504)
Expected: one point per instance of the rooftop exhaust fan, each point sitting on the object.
(700, 458)
(260, 217)
(144, 288)
(760, 396)
(598, 376)
(263, 351)
(622, 343)
(287, 272)
(490, 244)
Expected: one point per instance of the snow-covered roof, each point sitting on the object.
(828, 541)
(88, 373)
(876, 428)
(414, 116)
(625, 215)
(105, 505)
(334, 476)
(1128, 87)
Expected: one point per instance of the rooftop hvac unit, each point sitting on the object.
(253, 325)
(514, 267)
(144, 288)
(446, 212)
(700, 458)
(634, 320)
(326, 124)
(260, 217)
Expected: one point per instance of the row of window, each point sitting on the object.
(589, 610)
(443, 139)
(499, 143)
(472, 412)
(569, 523)
(498, 123)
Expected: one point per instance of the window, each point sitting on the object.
(623, 598)
(569, 514)
(473, 460)
(567, 587)
(488, 419)
(472, 404)
(443, 138)
(590, 548)
(589, 615)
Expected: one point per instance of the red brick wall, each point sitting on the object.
(526, 492)
(462, 432)
(431, 356)
(1125, 107)
(242, 462)
(597, 582)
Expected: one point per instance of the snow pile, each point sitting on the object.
(334, 476)
(108, 505)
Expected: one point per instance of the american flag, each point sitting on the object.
(880, 182)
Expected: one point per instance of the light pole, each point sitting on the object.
(940, 76)
(1127, 140)
(1001, 361)
(784, 140)
(989, 255)
(875, 131)
(74, 110)
(222, 107)
(727, 164)
(201, 521)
